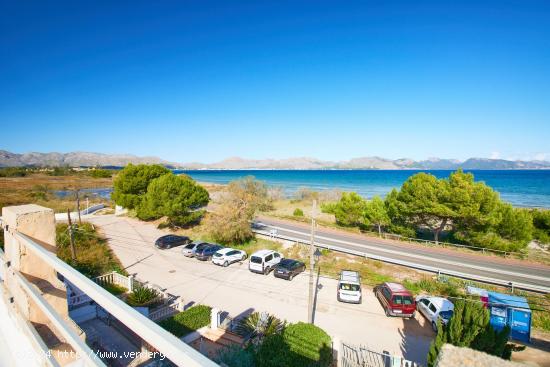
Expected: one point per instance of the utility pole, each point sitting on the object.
(71, 235)
(311, 262)
(78, 206)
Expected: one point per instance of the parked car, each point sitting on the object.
(206, 252)
(189, 249)
(171, 240)
(263, 261)
(349, 287)
(199, 247)
(288, 269)
(227, 256)
(396, 299)
(435, 308)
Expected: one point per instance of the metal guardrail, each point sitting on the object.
(432, 269)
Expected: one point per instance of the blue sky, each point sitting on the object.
(202, 81)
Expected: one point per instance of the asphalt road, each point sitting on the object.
(523, 274)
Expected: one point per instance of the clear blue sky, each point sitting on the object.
(202, 81)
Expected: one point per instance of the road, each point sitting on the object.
(238, 291)
(522, 274)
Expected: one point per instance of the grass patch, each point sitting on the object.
(187, 321)
(114, 289)
(93, 255)
(299, 345)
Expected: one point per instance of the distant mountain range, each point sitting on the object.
(75, 159)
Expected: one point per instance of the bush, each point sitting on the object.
(298, 212)
(13, 172)
(100, 173)
(143, 297)
(187, 321)
(236, 356)
(131, 183)
(299, 345)
(541, 223)
(114, 289)
(61, 171)
(93, 255)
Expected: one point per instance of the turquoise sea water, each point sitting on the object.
(526, 188)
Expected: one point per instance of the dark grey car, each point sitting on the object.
(206, 252)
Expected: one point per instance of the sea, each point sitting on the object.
(521, 188)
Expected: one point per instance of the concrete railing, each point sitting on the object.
(43, 266)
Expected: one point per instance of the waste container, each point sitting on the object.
(513, 311)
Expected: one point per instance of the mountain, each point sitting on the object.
(74, 159)
(369, 163)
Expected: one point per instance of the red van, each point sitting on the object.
(396, 299)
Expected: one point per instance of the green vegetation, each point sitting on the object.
(469, 327)
(61, 171)
(131, 183)
(100, 173)
(236, 356)
(298, 212)
(176, 197)
(143, 297)
(458, 207)
(114, 289)
(230, 223)
(299, 345)
(13, 172)
(187, 321)
(93, 255)
(258, 326)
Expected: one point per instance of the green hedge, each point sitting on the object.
(300, 345)
(187, 321)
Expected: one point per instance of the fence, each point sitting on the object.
(2, 269)
(361, 356)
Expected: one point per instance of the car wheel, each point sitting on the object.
(225, 264)
(243, 258)
(290, 277)
(266, 271)
(434, 326)
(388, 312)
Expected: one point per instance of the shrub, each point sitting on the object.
(114, 289)
(13, 172)
(142, 297)
(258, 326)
(187, 321)
(298, 212)
(131, 183)
(236, 356)
(93, 255)
(299, 345)
(100, 173)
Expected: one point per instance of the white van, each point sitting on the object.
(263, 261)
(349, 287)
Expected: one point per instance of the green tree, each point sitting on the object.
(176, 197)
(516, 225)
(130, 185)
(425, 201)
(376, 213)
(350, 210)
(230, 222)
(469, 327)
(258, 326)
(541, 224)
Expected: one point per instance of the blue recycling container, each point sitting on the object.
(513, 311)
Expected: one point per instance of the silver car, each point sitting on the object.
(189, 249)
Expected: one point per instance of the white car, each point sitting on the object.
(434, 308)
(264, 261)
(227, 256)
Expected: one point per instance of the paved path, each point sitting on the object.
(236, 290)
(473, 265)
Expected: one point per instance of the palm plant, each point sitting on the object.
(142, 296)
(258, 325)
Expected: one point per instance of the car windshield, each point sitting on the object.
(350, 287)
(402, 300)
(217, 254)
(287, 264)
(190, 246)
(256, 260)
(446, 315)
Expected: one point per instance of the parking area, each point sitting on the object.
(238, 291)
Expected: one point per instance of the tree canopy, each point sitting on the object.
(376, 213)
(176, 197)
(350, 210)
(130, 184)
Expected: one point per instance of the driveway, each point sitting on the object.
(238, 291)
